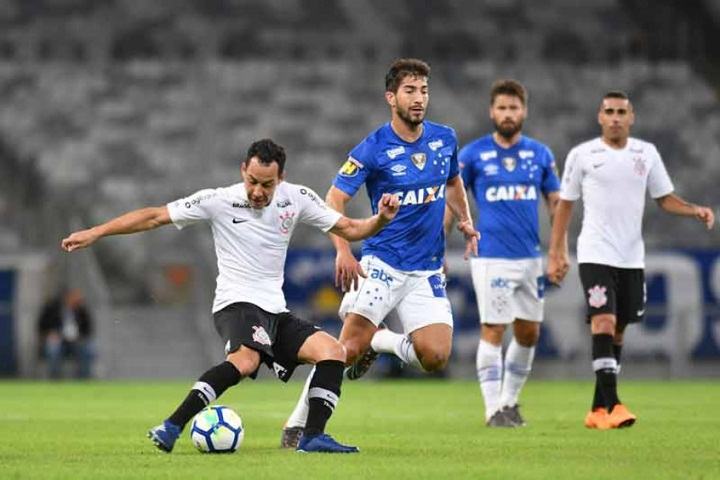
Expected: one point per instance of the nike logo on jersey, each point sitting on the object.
(598, 165)
(640, 313)
(239, 220)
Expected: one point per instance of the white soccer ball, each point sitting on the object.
(217, 429)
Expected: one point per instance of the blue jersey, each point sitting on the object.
(418, 173)
(507, 184)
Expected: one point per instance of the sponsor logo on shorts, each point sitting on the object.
(499, 282)
(379, 274)
(260, 335)
(597, 296)
(437, 283)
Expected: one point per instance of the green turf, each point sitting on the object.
(407, 429)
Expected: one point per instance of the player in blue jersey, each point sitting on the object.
(401, 268)
(508, 173)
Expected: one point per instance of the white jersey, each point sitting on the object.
(251, 244)
(612, 183)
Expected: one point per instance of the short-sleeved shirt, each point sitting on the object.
(417, 173)
(612, 183)
(251, 244)
(507, 184)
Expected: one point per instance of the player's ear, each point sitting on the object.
(390, 98)
(243, 169)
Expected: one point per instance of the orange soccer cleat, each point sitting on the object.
(598, 418)
(621, 417)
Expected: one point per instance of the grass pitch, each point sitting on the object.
(405, 429)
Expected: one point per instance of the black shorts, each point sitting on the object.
(619, 291)
(277, 337)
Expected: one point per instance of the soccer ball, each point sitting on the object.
(217, 429)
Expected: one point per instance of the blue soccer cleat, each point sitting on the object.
(164, 436)
(323, 443)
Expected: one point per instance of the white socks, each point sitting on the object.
(518, 363)
(385, 341)
(489, 372)
(499, 391)
(298, 417)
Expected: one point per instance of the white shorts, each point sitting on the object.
(419, 297)
(508, 289)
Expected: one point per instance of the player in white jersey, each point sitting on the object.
(401, 267)
(612, 174)
(252, 223)
(508, 174)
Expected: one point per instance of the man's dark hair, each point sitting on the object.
(508, 87)
(404, 67)
(267, 152)
(616, 94)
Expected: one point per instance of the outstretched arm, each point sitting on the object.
(131, 222)
(674, 204)
(458, 204)
(351, 229)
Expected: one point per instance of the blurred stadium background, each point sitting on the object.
(110, 105)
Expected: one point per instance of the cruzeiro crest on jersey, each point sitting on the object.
(509, 163)
(419, 159)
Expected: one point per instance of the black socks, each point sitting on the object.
(605, 366)
(209, 386)
(323, 395)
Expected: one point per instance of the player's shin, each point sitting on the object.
(518, 364)
(605, 367)
(209, 386)
(298, 417)
(323, 395)
(489, 371)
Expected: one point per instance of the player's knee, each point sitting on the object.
(492, 333)
(335, 351)
(245, 362)
(528, 337)
(603, 324)
(434, 360)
